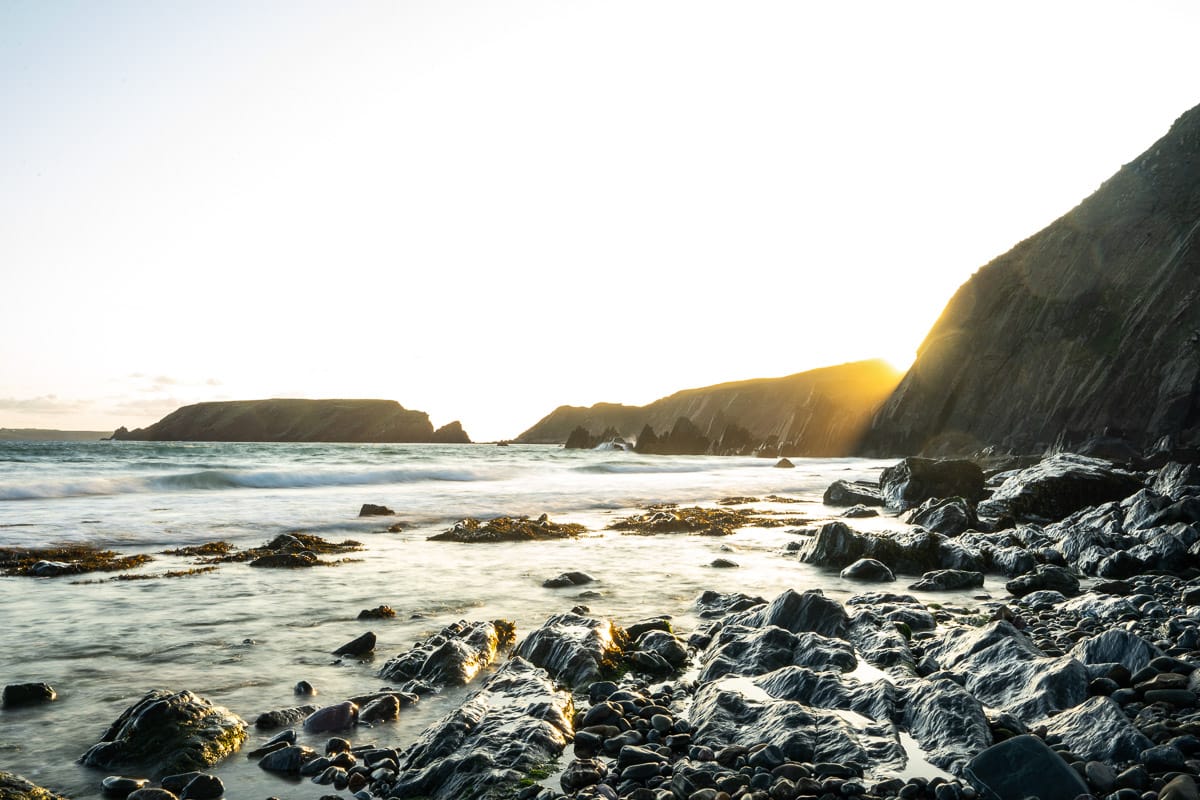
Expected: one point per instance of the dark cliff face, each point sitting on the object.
(1092, 323)
(823, 412)
(289, 420)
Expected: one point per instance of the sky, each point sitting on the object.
(485, 210)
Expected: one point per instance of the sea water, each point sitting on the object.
(242, 637)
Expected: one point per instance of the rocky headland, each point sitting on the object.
(822, 412)
(292, 420)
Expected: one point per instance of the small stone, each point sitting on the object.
(357, 647)
(784, 463)
(723, 563)
(120, 786)
(152, 794)
(20, 694)
(203, 787)
(378, 612)
(304, 688)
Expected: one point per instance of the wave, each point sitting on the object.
(220, 479)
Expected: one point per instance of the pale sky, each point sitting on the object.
(485, 210)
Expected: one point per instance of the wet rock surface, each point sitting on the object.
(573, 648)
(14, 787)
(453, 656)
(508, 529)
(168, 732)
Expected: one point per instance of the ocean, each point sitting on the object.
(243, 637)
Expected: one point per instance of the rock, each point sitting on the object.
(152, 793)
(945, 580)
(515, 722)
(378, 612)
(1181, 787)
(947, 721)
(723, 563)
(583, 772)
(1044, 576)
(784, 463)
(845, 493)
(358, 646)
(868, 569)
(949, 517)
(1059, 486)
(567, 579)
(751, 651)
(1098, 730)
(1021, 767)
(194, 786)
(912, 551)
(574, 649)
(1176, 481)
(287, 760)
(14, 787)
(915, 480)
(283, 717)
(304, 689)
(454, 655)
(381, 709)
(663, 644)
(712, 604)
(120, 786)
(169, 732)
(372, 510)
(22, 694)
(337, 717)
(451, 433)
(859, 512)
(797, 612)
(1116, 646)
(286, 560)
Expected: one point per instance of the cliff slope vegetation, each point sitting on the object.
(289, 420)
(1092, 323)
(822, 412)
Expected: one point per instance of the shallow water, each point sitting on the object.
(243, 637)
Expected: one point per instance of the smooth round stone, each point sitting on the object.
(1100, 776)
(332, 718)
(641, 772)
(120, 786)
(337, 745)
(304, 688)
(662, 723)
(203, 787)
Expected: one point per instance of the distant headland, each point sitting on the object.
(294, 420)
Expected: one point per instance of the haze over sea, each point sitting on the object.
(243, 637)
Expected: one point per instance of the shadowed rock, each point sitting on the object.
(168, 732)
(14, 787)
(852, 493)
(947, 721)
(1098, 730)
(912, 551)
(517, 721)
(1059, 486)
(739, 650)
(1023, 767)
(915, 480)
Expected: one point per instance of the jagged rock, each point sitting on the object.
(567, 579)
(14, 787)
(912, 551)
(574, 649)
(1116, 646)
(1176, 481)
(684, 438)
(740, 650)
(949, 517)
(168, 732)
(450, 433)
(663, 644)
(947, 721)
(1098, 730)
(1004, 669)
(1020, 767)
(859, 512)
(798, 612)
(868, 569)
(1058, 487)
(517, 721)
(454, 655)
(1044, 576)
(784, 463)
(21, 694)
(945, 580)
(847, 493)
(282, 717)
(915, 480)
(712, 604)
(895, 608)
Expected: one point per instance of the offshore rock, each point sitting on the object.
(21, 694)
(912, 551)
(14, 787)
(359, 646)
(574, 649)
(168, 732)
(1098, 730)
(451, 433)
(517, 721)
(1058, 487)
(454, 655)
(915, 480)
(1023, 767)
(508, 529)
(739, 650)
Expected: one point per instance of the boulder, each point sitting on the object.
(912, 551)
(1116, 646)
(573, 648)
(915, 480)
(949, 517)
(516, 722)
(22, 694)
(712, 604)
(1097, 730)
(847, 493)
(372, 510)
(868, 569)
(282, 717)
(168, 732)
(1044, 576)
(337, 717)
(359, 646)
(508, 529)
(746, 651)
(567, 579)
(663, 644)
(945, 580)
(14, 787)
(784, 463)
(1059, 486)
(453, 656)
(797, 612)
(947, 721)
(1022, 767)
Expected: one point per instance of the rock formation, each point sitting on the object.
(289, 420)
(821, 412)
(1091, 324)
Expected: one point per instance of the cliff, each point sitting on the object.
(294, 421)
(822, 412)
(1092, 323)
